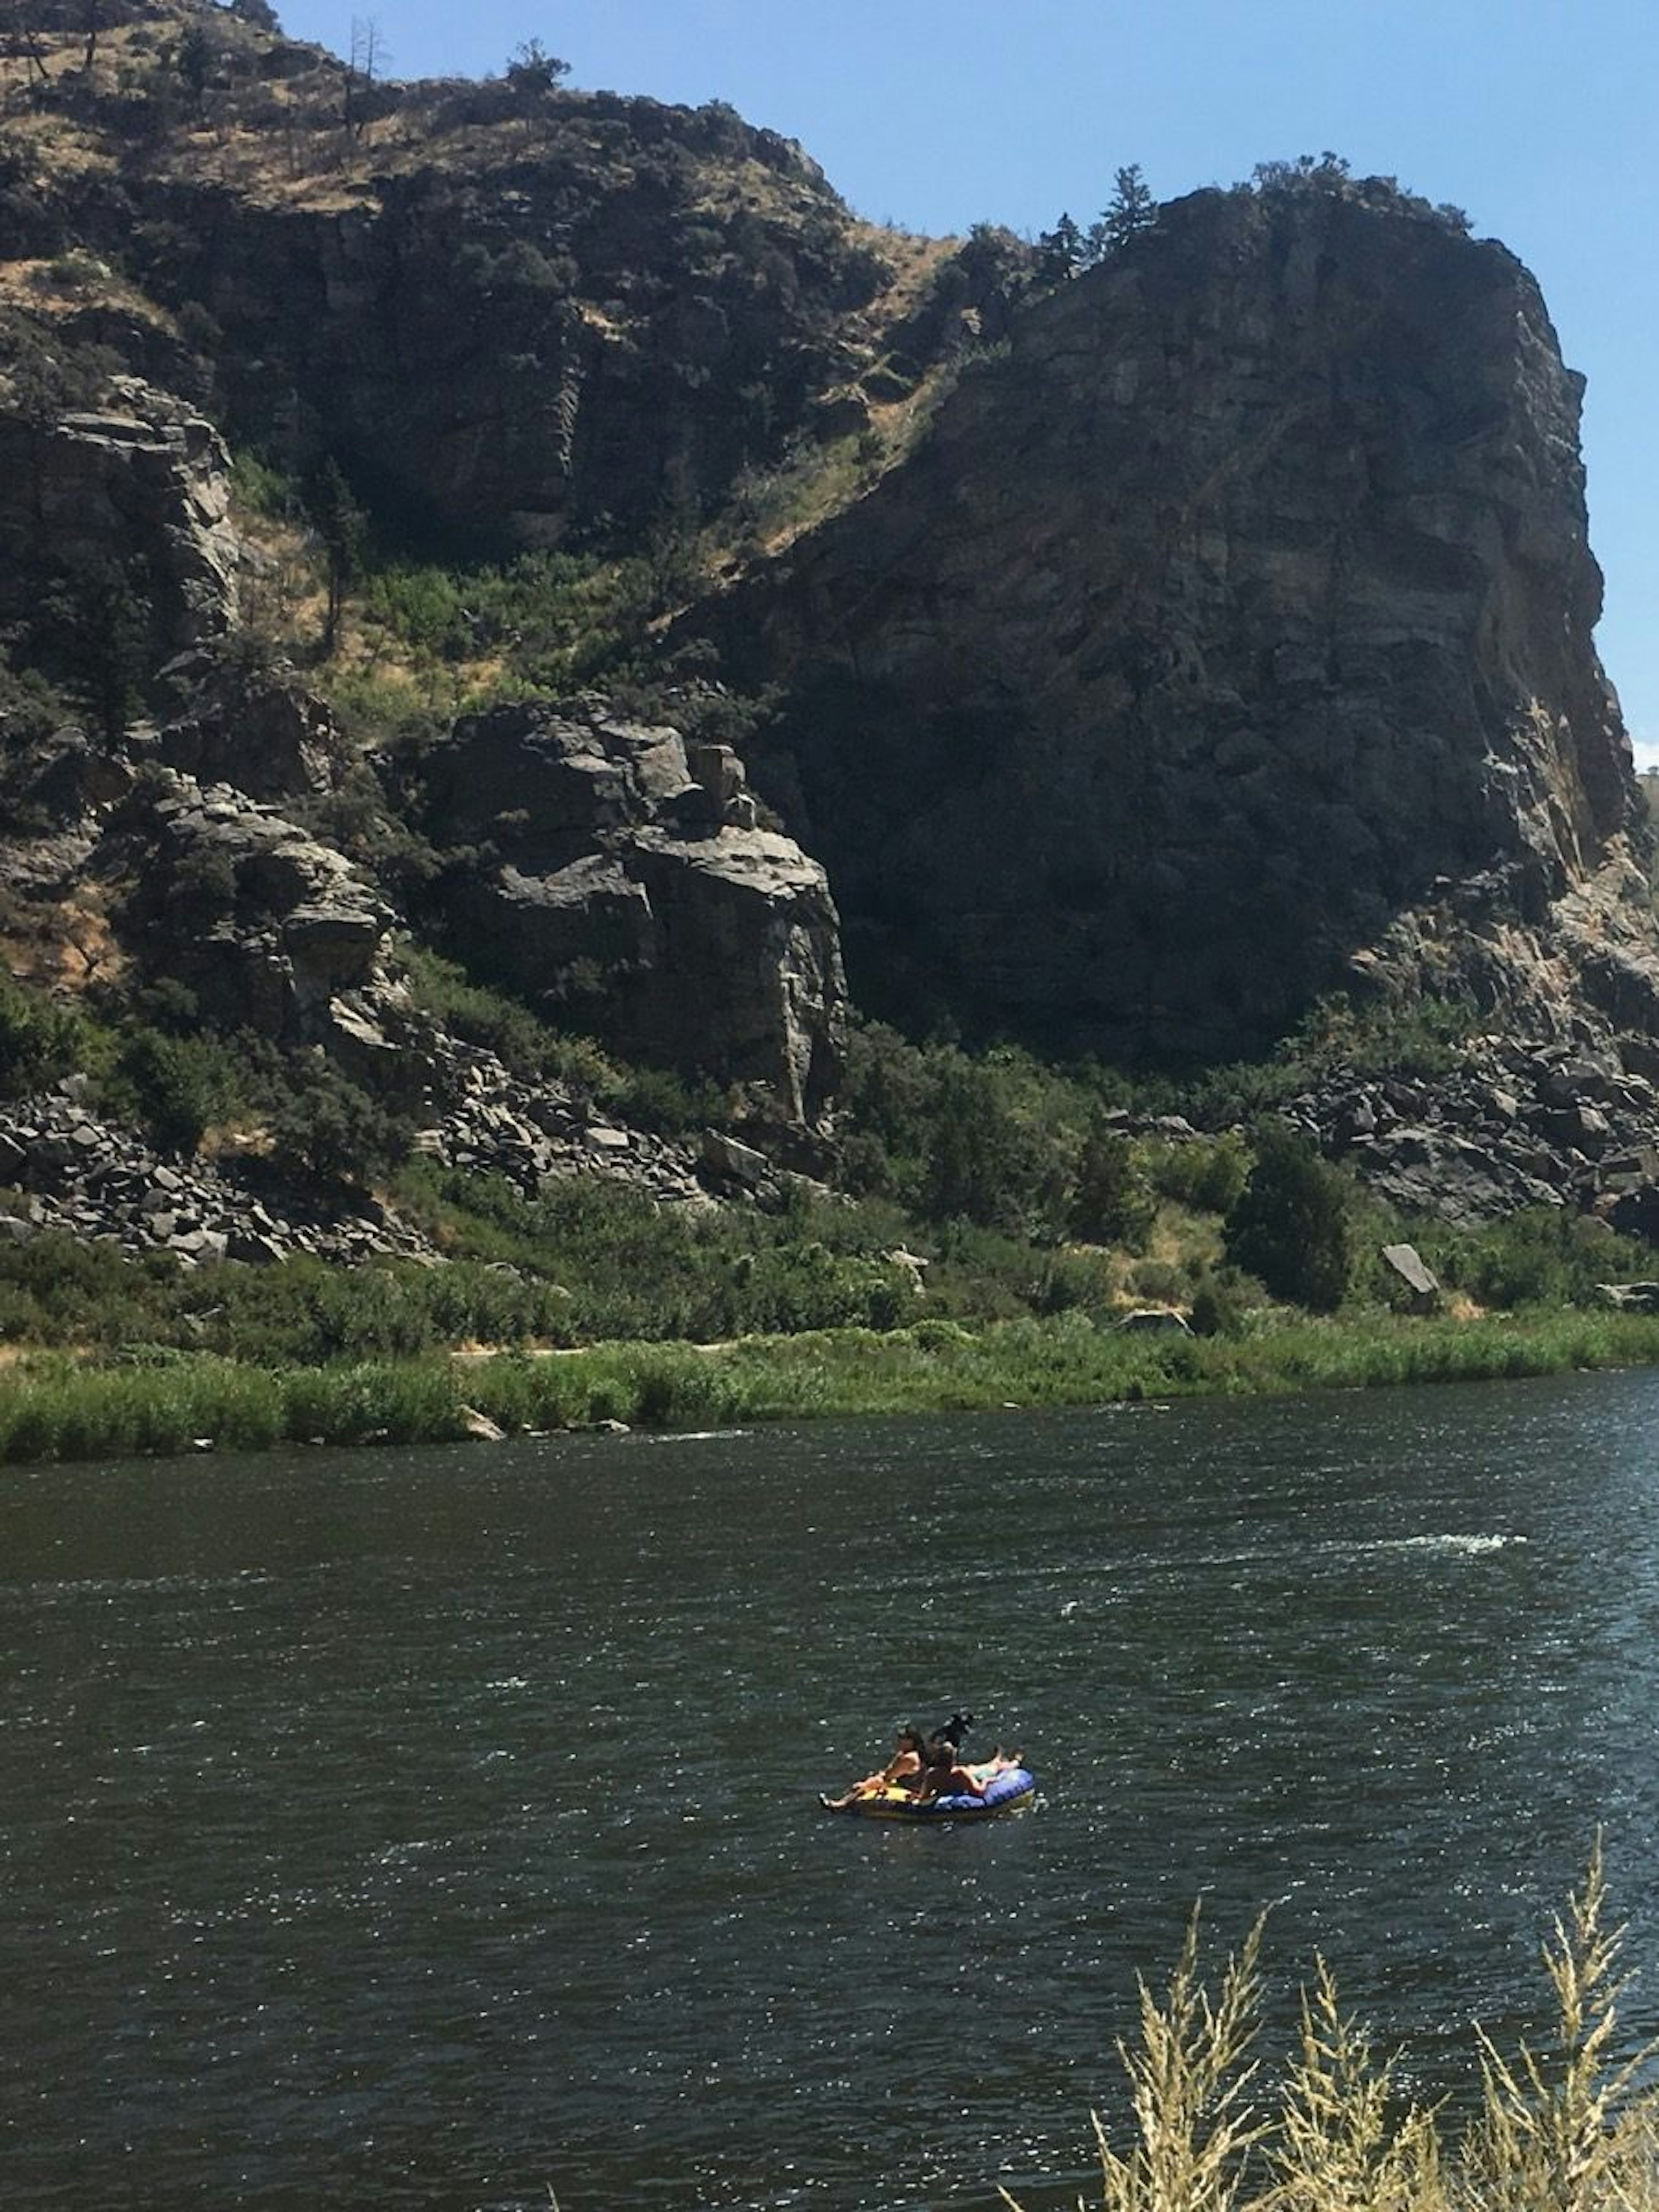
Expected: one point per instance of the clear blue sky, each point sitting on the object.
(1537, 116)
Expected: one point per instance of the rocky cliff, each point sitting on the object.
(507, 309)
(1125, 661)
(1239, 611)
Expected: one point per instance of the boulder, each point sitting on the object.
(272, 929)
(1427, 1170)
(478, 1427)
(1406, 1263)
(264, 734)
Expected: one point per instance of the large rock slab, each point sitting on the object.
(272, 930)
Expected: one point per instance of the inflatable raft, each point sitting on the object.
(1010, 1791)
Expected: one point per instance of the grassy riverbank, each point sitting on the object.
(52, 1408)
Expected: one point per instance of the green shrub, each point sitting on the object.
(1112, 1202)
(1161, 1280)
(179, 1086)
(335, 1131)
(1071, 1281)
(1422, 1039)
(1207, 1174)
(1219, 1306)
(1545, 1255)
(478, 1016)
(263, 489)
(1290, 1226)
(373, 1402)
(42, 1039)
(672, 1104)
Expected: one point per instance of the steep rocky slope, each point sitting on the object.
(500, 313)
(503, 307)
(1184, 641)
(1236, 616)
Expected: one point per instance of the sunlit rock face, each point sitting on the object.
(611, 873)
(1237, 614)
(137, 486)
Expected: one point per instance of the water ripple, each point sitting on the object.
(397, 1830)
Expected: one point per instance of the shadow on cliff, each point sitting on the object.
(1232, 624)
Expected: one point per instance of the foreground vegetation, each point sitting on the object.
(54, 1408)
(1566, 2128)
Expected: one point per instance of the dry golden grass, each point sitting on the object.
(1567, 2129)
(1190, 2080)
(914, 261)
(1186, 1239)
(59, 944)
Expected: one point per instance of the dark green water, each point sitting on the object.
(424, 1829)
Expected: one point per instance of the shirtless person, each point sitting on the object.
(901, 1772)
(943, 1777)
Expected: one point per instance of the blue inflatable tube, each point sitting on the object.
(1010, 1791)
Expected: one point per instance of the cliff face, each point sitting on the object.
(1240, 609)
(1225, 635)
(577, 335)
(503, 307)
(138, 485)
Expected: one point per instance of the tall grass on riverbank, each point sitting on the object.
(1560, 2130)
(57, 1408)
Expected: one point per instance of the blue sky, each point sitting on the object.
(1537, 116)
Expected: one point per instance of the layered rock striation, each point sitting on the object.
(1241, 608)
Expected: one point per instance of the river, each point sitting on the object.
(430, 1829)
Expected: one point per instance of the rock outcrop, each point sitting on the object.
(260, 730)
(1224, 637)
(1238, 610)
(270, 930)
(137, 489)
(621, 879)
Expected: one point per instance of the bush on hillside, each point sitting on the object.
(1290, 1227)
(335, 1131)
(179, 1086)
(1112, 1202)
(41, 1039)
(1546, 1255)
